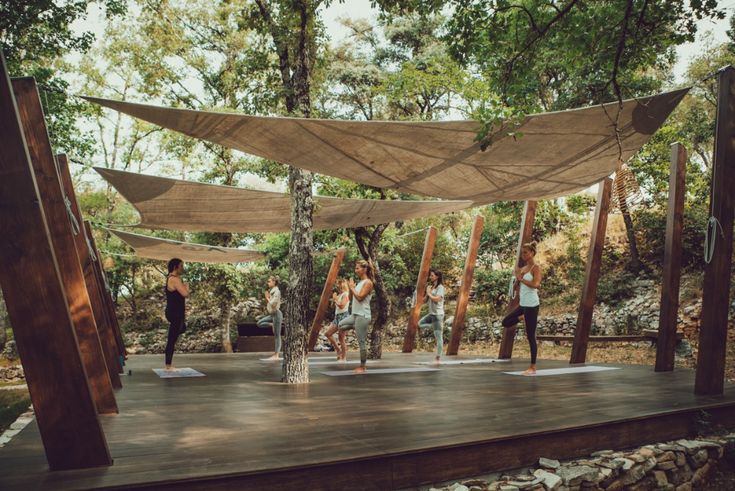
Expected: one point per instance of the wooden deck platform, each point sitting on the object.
(239, 428)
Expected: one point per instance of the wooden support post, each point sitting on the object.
(668, 314)
(592, 273)
(526, 232)
(87, 259)
(39, 313)
(106, 297)
(464, 292)
(321, 310)
(63, 228)
(710, 377)
(413, 319)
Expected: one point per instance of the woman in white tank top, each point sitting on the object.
(361, 316)
(529, 277)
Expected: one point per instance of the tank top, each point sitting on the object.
(361, 307)
(528, 295)
(437, 308)
(175, 302)
(340, 298)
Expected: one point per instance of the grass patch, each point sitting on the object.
(13, 403)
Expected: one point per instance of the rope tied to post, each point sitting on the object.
(710, 238)
(91, 250)
(72, 218)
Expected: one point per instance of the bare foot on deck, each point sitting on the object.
(360, 369)
(170, 368)
(437, 361)
(274, 357)
(530, 372)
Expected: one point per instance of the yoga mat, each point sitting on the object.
(564, 371)
(375, 371)
(474, 361)
(178, 373)
(335, 362)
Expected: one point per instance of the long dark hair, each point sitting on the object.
(173, 264)
(439, 276)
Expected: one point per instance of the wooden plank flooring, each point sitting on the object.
(239, 428)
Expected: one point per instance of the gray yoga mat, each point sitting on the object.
(473, 361)
(376, 371)
(178, 373)
(565, 371)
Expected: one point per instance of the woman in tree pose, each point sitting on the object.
(435, 318)
(360, 318)
(529, 277)
(176, 293)
(341, 306)
(274, 317)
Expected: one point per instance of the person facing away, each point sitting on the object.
(341, 299)
(435, 318)
(529, 277)
(274, 317)
(361, 316)
(176, 293)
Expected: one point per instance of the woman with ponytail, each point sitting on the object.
(361, 316)
(529, 277)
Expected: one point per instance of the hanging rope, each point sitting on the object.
(91, 250)
(511, 288)
(710, 238)
(411, 233)
(72, 218)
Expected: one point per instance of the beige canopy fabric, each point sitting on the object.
(173, 204)
(557, 153)
(165, 249)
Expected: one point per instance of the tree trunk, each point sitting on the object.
(295, 361)
(367, 244)
(226, 321)
(635, 262)
(3, 324)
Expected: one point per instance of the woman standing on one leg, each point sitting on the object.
(176, 293)
(435, 318)
(341, 302)
(529, 276)
(274, 317)
(361, 316)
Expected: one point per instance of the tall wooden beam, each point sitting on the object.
(106, 293)
(39, 313)
(62, 228)
(526, 232)
(592, 273)
(668, 314)
(464, 291)
(413, 319)
(321, 310)
(710, 377)
(87, 258)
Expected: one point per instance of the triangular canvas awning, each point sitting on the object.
(558, 153)
(173, 204)
(165, 249)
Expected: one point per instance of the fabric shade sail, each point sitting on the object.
(165, 249)
(173, 204)
(556, 153)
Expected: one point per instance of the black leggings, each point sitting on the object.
(175, 328)
(530, 318)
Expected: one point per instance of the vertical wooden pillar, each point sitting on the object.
(668, 315)
(464, 291)
(117, 342)
(413, 319)
(710, 377)
(62, 228)
(321, 310)
(509, 334)
(87, 259)
(39, 313)
(592, 273)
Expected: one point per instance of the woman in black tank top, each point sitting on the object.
(176, 293)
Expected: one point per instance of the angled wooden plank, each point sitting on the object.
(716, 289)
(669, 310)
(413, 319)
(87, 257)
(321, 310)
(526, 232)
(39, 313)
(62, 228)
(464, 291)
(592, 273)
(106, 294)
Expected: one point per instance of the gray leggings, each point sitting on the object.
(435, 322)
(273, 320)
(360, 324)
